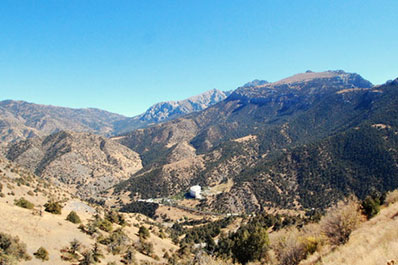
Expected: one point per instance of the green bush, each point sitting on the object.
(105, 225)
(250, 243)
(42, 254)
(73, 218)
(24, 203)
(143, 232)
(115, 217)
(53, 207)
(370, 206)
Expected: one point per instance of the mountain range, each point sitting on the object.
(20, 120)
(263, 145)
(281, 144)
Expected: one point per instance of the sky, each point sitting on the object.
(124, 56)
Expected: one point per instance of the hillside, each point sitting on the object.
(281, 144)
(87, 163)
(20, 120)
(35, 227)
(113, 238)
(375, 242)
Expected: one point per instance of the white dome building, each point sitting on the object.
(195, 191)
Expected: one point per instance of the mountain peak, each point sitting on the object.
(171, 109)
(303, 84)
(392, 82)
(256, 82)
(356, 79)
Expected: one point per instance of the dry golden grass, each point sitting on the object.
(175, 214)
(54, 232)
(375, 242)
(392, 197)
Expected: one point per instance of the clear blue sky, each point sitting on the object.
(123, 56)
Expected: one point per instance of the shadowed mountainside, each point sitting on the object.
(282, 144)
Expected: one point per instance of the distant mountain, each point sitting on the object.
(169, 110)
(245, 138)
(21, 120)
(87, 163)
(255, 83)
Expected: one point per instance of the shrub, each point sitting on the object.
(340, 221)
(116, 242)
(250, 243)
(75, 246)
(73, 218)
(22, 202)
(145, 247)
(97, 253)
(288, 248)
(90, 229)
(42, 254)
(105, 225)
(370, 207)
(115, 217)
(12, 249)
(143, 232)
(53, 207)
(129, 256)
(292, 246)
(87, 258)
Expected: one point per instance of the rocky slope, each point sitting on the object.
(259, 138)
(86, 162)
